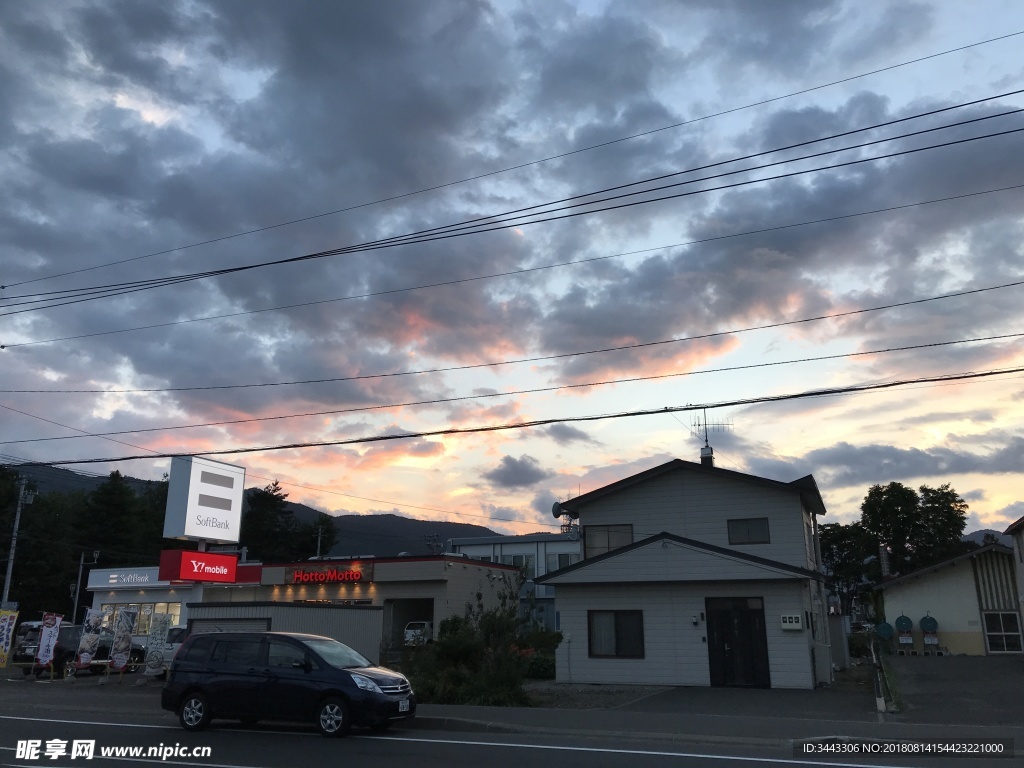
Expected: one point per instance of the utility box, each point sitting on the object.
(792, 621)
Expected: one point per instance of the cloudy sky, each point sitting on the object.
(143, 141)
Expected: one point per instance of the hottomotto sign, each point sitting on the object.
(204, 500)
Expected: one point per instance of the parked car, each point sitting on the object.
(419, 632)
(253, 676)
(65, 653)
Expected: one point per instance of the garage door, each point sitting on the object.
(197, 626)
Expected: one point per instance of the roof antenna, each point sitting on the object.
(707, 453)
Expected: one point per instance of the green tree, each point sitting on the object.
(943, 519)
(917, 529)
(109, 522)
(846, 552)
(269, 530)
(317, 537)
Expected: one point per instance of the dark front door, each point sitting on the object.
(737, 642)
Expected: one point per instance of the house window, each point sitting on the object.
(561, 560)
(521, 561)
(616, 634)
(598, 539)
(751, 530)
(1002, 632)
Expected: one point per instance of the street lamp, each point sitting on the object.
(78, 583)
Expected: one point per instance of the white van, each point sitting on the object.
(419, 632)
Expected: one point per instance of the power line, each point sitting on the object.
(543, 358)
(497, 223)
(20, 461)
(530, 163)
(855, 389)
(533, 391)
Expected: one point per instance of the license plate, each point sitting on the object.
(403, 706)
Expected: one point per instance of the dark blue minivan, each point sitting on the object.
(253, 676)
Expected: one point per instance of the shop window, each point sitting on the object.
(616, 634)
(598, 539)
(561, 560)
(751, 530)
(1002, 632)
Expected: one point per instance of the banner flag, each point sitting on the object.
(7, 621)
(125, 621)
(48, 637)
(90, 641)
(159, 627)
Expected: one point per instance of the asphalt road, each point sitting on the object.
(127, 716)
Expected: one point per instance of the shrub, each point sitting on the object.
(477, 658)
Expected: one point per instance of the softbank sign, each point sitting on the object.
(176, 565)
(204, 500)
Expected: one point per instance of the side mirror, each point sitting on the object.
(303, 665)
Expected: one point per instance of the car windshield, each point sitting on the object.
(337, 654)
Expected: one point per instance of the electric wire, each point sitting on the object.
(532, 162)
(540, 358)
(807, 394)
(497, 222)
(536, 390)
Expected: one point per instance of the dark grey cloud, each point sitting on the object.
(846, 464)
(516, 473)
(566, 434)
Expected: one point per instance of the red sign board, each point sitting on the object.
(179, 565)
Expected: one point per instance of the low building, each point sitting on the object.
(142, 590)
(536, 554)
(400, 589)
(973, 600)
(695, 575)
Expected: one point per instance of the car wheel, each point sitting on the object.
(194, 712)
(69, 668)
(332, 717)
(135, 662)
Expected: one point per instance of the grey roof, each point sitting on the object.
(998, 548)
(713, 548)
(805, 486)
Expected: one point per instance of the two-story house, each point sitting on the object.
(695, 575)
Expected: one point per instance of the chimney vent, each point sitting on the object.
(707, 456)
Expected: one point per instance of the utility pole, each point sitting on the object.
(78, 584)
(14, 537)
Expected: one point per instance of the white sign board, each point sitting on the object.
(204, 500)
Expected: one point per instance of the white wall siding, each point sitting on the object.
(698, 504)
(676, 651)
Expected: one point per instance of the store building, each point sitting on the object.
(535, 554)
(399, 589)
(142, 589)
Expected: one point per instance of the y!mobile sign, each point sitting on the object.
(176, 565)
(204, 500)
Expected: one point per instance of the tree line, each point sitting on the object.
(123, 519)
(900, 529)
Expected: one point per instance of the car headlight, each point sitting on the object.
(366, 683)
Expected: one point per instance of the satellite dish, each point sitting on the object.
(556, 510)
